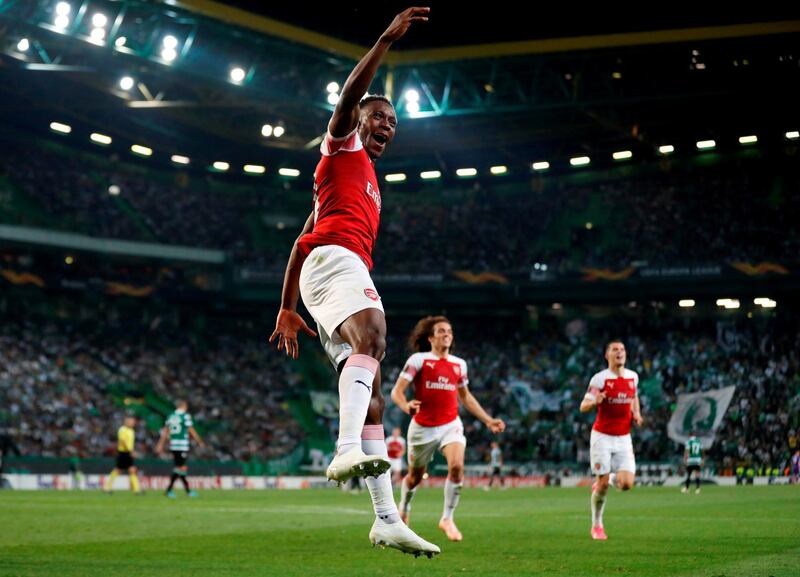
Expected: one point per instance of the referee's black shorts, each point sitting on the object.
(124, 460)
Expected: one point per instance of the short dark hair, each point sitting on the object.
(374, 97)
(611, 342)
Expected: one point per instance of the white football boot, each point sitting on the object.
(399, 536)
(356, 464)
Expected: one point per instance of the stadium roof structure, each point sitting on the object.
(510, 85)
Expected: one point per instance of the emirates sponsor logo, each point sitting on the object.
(442, 385)
(372, 294)
(373, 193)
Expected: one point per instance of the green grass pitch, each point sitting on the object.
(724, 532)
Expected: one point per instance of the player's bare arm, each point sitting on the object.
(345, 115)
(473, 406)
(592, 401)
(289, 323)
(196, 436)
(399, 397)
(161, 441)
(637, 412)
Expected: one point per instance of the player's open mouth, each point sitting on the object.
(381, 139)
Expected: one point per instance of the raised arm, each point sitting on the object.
(345, 115)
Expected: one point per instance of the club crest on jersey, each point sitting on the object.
(371, 294)
(374, 195)
(430, 364)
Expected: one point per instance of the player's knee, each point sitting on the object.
(602, 485)
(371, 341)
(413, 479)
(626, 485)
(456, 472)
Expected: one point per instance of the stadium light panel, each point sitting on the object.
(61, 22)
(396, 177)
(498, 170)
(114, 190)
(541, 165)
(412, 106)
(120, 42)
(141, 150)
(279, 131)
(466, 172)
(332, 87)
(60, 127)
(178, 159)
(126, 82)
(23, 45)
(168, 54)
(98, 138)
(686, 303)
(622, 155)
(666, 149)
(430, 174)
(292, 172)
(266, 130)
(237, 74)
(411, 95)
(221, 166)
(63, 9)
(97, 35)
(579, 161)
(752, 139)
(99, 20)
(333, 98)
(254, 169)
(170, 41)
(793, 135)
(706, 144)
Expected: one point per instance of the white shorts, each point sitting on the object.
(611, 453)
(335, 284)
(423, 442)
(397, 465)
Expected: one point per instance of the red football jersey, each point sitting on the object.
(615, 413)
(347, 201)
(395, 447)
(436, 383)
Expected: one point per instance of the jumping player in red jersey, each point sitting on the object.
(614, 392)
(440, 381)
(329, 267)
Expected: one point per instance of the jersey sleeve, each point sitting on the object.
(188, 421)
(596, 385)
(464, 380)
(412, 367)
(636, 382)
(332, 145)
